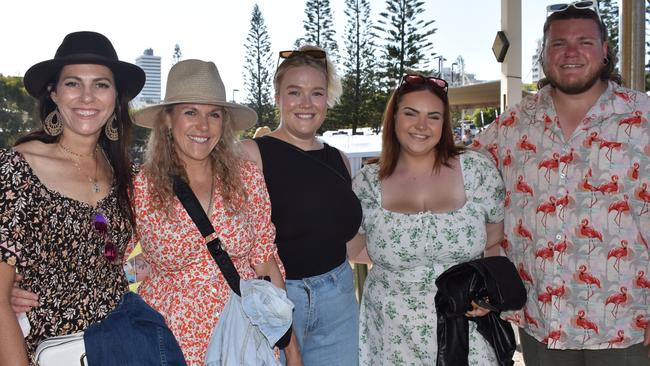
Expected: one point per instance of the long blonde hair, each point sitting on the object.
(162, 161)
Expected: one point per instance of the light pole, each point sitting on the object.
(452, 72)
(440, 60)
(233, 95)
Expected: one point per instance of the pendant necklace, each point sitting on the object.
(75, 159)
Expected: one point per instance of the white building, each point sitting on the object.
(150, 93)
(536, 67)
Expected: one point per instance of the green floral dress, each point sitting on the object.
(409, 251)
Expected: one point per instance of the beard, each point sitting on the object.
(575, 87)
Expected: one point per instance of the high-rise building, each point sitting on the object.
(536, 68)
(150, 93)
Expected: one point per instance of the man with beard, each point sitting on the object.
(575, 158)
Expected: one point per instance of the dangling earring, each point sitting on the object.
(605, 61)
(52, 123)
(169, 134)
(110, 131)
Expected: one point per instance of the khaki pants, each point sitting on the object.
(536, 354)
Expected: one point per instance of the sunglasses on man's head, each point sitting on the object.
(591, 5)
(416, 79)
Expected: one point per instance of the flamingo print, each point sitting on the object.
(618, 339)
(587, 325)
(561, 248)
(476, 144)
(529, 319)
(624, 96)
(522, 187)
(515, 318)
(618, 253)
(525, 276)
(561, 204)
(523, 232)
(585, 186)
(642, 194)
(621, 207)
(640, 322)
(546, 208)
(617, 299)
(505, 243)
(550, 164)
(586, 231)
(558, 293)
(588, 279)
(610, 146)
(546, 254)
(593, 137)
(643, 241)
(507, 160)
(524, 145)
(553, 336)
(506, 201)
(633, 172)
(609, 187)
(635, 120)
(545, 298)
(640, 281)
(567, 159)
(493, 149)
(508, 122)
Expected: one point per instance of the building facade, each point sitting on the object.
(150, 93)
(536, 66)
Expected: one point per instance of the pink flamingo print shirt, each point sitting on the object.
(577, 219)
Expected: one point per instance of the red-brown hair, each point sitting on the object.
(390, 149)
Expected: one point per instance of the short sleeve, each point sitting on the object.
(366, 186)
(264, 247)
(488, 186)
(14, 199)
(487, 141)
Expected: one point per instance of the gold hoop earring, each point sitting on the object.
(52, 125)
(110, 131)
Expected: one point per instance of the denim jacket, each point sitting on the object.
(250, 325)
(133, 334)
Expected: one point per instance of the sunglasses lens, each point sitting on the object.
(110, 252)
(315, 53)
(441, 83)
(557, 7)
(583, 4)
(286, 54)
(414, 79)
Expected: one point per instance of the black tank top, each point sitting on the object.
(313, 207)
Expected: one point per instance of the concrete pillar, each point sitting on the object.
(632, 42)
(511, 67)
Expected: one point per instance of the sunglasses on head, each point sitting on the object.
(100, 225)
(318, 54)
(416, 79)
(591, 5)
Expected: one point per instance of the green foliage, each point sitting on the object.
(258, 66)
(489, 115)
(609, 14)
(356, 108)
(319, 27)
(406, 39)
(17, 110)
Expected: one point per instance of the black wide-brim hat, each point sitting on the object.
(85, 48)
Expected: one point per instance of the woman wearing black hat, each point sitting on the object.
(66, 216)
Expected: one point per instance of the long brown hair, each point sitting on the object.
(390, 149)
(162, 161)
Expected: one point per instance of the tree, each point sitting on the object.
(257, 78)
(17, 110)
(319, 27)
(359, 83)
(609, 14)
(178, 55)
(406, 39)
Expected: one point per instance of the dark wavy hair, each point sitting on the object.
(118, 152)
(609, 71)
(390, 150)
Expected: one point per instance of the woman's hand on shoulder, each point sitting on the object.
(252, 152)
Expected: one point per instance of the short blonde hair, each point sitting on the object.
(325, 66)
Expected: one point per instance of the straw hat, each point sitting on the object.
(85, 48)
(196, 82)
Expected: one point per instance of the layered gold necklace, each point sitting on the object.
(75, 158)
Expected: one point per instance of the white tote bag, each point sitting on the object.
(67, 350)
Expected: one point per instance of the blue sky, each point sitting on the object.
(216, 30)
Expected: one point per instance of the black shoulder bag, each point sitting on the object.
(202, 222)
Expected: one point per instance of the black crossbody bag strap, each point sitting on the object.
(194, 209)
(202, 222)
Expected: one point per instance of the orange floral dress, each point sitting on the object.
(185, 284)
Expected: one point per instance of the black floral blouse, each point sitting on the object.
(50, 240)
